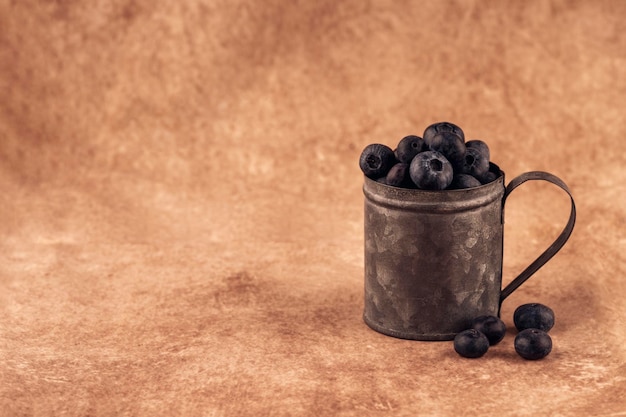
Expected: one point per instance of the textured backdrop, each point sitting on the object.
(181, 214)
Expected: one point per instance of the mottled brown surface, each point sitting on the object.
(181, 227)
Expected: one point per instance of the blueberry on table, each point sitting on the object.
(471, 343)
(490, 326)
(533, 344)
(449, 145)
(431, 170)
(376, 160)
(475, 163)
(398, 176)
(439, 127)
(408, 147)
(533, 316)
(461, 181)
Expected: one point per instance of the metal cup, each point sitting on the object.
(433, 259)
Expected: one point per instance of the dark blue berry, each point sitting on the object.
(430, 170)
(376, 160)
(408, 147)
(480, 146)
(533, 316)
(398, 176)
(461, 181)
(439, 127)
(471, 343)
(449, 145)
(475, 163)
(488, 177)
(490, 326)
(533, 344)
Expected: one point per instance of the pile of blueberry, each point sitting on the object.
(533, 321)
(439, 160)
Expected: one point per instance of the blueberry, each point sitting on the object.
(533, 316)
(461, 181)
(376, 160)
(430, 170)
(475, 163)
(439, 127)
(398, 176)
(490, 326)
(449, 145)
(480, 146)
(408, 147)
(488, 177)
(471, 343)
(533, 344)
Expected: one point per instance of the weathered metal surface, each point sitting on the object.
(433, 259)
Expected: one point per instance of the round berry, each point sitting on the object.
(533, 316)
(439, 127)
(488, 177)
(461, 181)
(475, 163)
(376, 160)
(398, 176)
(471, 343)
(408, 147)
(490, 326)
(451, 146)
(533, 344)
(480, 146)
(430, 170)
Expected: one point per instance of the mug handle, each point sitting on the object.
(558, 243)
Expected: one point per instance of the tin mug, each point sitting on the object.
(433, 259)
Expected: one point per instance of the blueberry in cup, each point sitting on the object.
(440, 127)
(431, 170)
(462, 181)
(376, 160)
(451, 146)
(398, 176)
(475, 162)
(481, 146)
(408, 147)
(488, 177)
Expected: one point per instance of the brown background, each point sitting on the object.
(181, 227)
